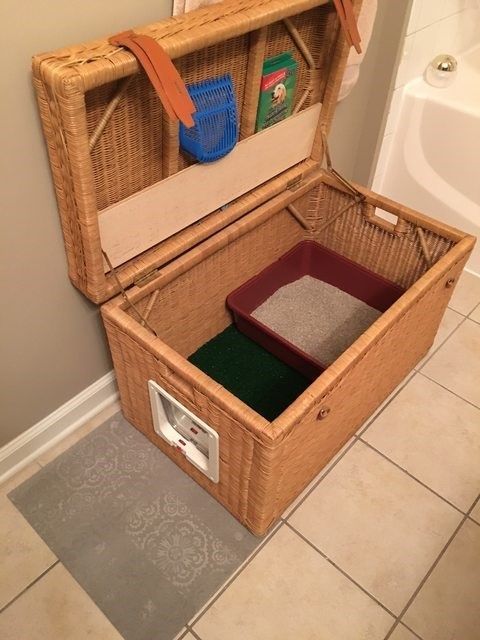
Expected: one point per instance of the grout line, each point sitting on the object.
(473, 311)
(28, 586)
(344, 573)
(411, 476)
(469, 511)
(430, 355)
(400, 623)
(475, 502)
(449, 390)
(358, 436)
(456, 311)
(436, 22)
(269, 537)
(428, 574)
(388, 401)
(414, 633)
(327, 471)
(193, 632)
(474, 521)
(193, 621)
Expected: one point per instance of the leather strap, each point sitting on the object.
(343, 20)
(124, 40)
(172, 82)
(348, 23)
(352, 25)
(162, 74)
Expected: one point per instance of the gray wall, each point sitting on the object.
(52, 344)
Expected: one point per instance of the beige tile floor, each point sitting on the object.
(383, 544)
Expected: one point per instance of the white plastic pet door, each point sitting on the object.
(182, 429)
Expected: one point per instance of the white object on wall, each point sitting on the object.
(184, 6)
(366, 21)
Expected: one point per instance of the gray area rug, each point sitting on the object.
(146, 543)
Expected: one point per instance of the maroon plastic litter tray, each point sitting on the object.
(306, 258)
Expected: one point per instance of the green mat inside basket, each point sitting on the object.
(250, 372)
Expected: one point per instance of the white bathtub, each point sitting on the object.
(434, 159)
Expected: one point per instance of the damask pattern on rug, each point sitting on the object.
(177, 542)
(132, 527)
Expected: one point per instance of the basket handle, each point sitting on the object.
(162, 73)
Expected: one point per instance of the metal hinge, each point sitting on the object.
(146, 278)
(295, 183)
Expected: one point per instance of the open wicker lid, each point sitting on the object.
(124, 188)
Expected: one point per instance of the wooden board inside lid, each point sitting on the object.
(111, 144)
(141, 221)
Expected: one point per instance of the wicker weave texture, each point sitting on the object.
(263, 466)
(188, 314)
(395, 256)
(319, 29)
(237, 446)
(127, 156)
(358, 391)
(108, 138)
(138, 146)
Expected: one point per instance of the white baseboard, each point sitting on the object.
(56, 426)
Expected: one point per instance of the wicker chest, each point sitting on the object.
(161, 241)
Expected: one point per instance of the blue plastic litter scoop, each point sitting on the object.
(215, 131)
